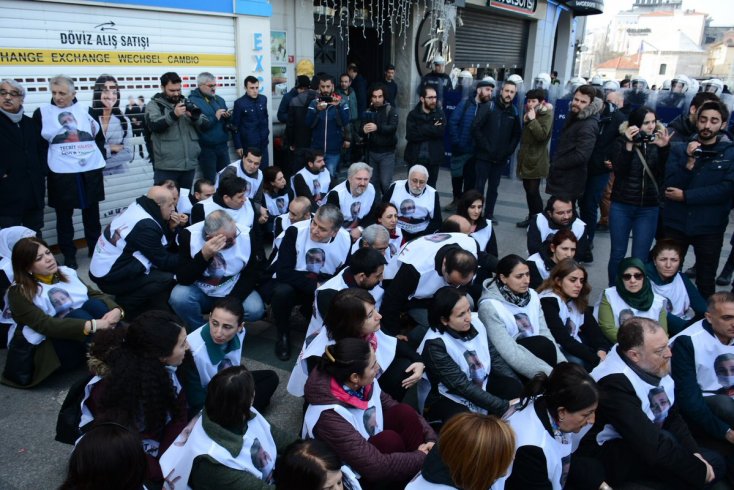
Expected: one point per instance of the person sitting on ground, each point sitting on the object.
(217, 345)
(311, 465)
(632, 296)
(8, 238)
(386, 214)
(511, 313)
(313, 180)
(277, 194)
(203, 189)
(355, 197)
(231, 196)
(229, 445)
(384, 441)
(564, 297)
(377, 237)
(473, 452)
(311, 253)
(683, 302)
(559, 246)
(555, 412)
(419, 209)
(557, 215)
(132, 258)
(53, 313)
(136, 384)
(248, 167)
(422, 267)
(217, 260)
(471, 206)
(109, 456)
(465, 372)
(298, 210)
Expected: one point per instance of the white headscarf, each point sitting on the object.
(10, 236)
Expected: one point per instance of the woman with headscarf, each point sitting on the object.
(74, 144)
(632, 296)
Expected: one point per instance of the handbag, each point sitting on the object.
(67, 422)
(20, 365)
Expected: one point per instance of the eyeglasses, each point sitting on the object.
(5, 93)
(637, 275)
(230, 241)
(211, 85)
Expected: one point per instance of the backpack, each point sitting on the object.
(70, 415)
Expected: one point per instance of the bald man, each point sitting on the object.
(132, 260)
(299, 209)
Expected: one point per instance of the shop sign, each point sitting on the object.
(526, 7)
(435, 37)
(586, 7)
(23, 56)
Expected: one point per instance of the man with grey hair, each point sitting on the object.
(639, 434)
(216, 260)
(213, 140)
(311, 252)
(355, 197)
(22, 174)
(377, 237)
(419, 210)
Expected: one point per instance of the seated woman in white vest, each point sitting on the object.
(8, 238)
(564, 297)
(472, 453)
(386, 214)
(136, 384)
(632, 296)
(683, 302)
(215, 346)
(311, 465)
(53, 315)
(383, 441)
(464, 371)
(352, 313)
(555, 413)
(355, 197)
(511, 313)
(277, 195)
(560, 246)
(230, 446)
(471, 207)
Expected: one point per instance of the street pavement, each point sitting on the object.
(33, 460)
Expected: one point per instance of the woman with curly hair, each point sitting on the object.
(54, 314)
(136, 384)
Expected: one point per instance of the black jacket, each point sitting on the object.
(632, 184)
(609, 121)
(384, 139)
(537, 244)
(567, 175)
(297, 132)
(22, 166)
(256, 238)
(496, 131)
(421, 128)
(590, 333)
(682, 128)
(145, 237)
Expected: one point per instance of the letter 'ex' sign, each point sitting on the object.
(526, 7)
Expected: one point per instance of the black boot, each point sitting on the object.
(524, 223)
(283, 346)
(724, 278)
(70, 262)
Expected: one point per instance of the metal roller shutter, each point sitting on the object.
(41, 39)
(487, 38)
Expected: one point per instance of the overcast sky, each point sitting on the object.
(721, 16)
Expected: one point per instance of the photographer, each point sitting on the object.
(214, 154)
(638, 160)
(328, 117)
(699, 181)
(424, 131)
(173, 122)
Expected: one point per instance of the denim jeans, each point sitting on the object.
(332, 163)
(491, 174)
(589, 203)
(707, 249)
(189, 302)
(641, 221)
(212, 159)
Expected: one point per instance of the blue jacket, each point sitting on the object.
(330, 127)
(285, 102)
(251, 118)
(215, 134)
(707, 189)
(460, 124)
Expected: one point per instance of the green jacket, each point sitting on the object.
(532, 159)
(351, 100)
(175, 139)
(45, 360)
(207, 473)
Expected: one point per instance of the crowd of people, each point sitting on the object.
(431, 359)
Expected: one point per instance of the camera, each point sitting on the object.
(643, 138)
(191, 107)
(326, 98)
(701, 153)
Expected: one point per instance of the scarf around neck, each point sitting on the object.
(641, 300)
(520, 300)
(14, 117)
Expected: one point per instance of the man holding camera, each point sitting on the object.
(250, 117)
(328, 117)
(214, 154)
(173, 122)
(699, 181)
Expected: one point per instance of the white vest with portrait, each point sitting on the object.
(318, 257)
(578, 227)
(207, 370)
(511, 313)
(245, 216)
(276, 205)
(68, 157)
(707, 350)
(540, 265)
(618, 306)
(224, 269)
(317, 183)
(353, 208)
(483, 236)
(572, 318)
(420, 208)
(361, 420)
(677, 301)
